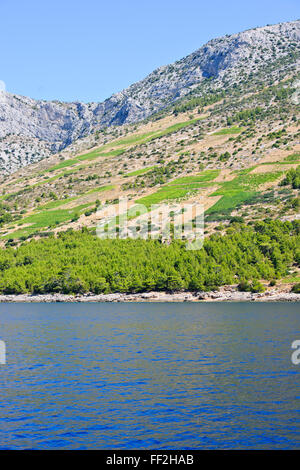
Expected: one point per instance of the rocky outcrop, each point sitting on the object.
(47, 127)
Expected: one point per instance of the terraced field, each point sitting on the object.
(231, 130)
(233, 170)
(142, 171)
(240, 189)
(46, 219)
(180, 188)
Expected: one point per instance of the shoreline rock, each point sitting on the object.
(227, 295)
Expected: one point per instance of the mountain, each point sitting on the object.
(219, 129)
(31, 130)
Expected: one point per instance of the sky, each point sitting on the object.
(87, 50)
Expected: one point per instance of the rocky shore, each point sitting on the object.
(225, 295)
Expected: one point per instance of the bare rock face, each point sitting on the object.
(31, 130)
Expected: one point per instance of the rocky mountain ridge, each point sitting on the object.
(31, 130)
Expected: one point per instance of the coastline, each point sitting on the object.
(224, 295)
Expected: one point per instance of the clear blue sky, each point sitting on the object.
(86, 50)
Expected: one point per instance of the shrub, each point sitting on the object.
(257, 287)
(296, 288)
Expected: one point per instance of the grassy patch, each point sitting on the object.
(144, 138)
(45, 219)
(133, 139)
(295, 158)
(98, 153)
(62, 202)
(203, 177)
(295, 277)
(99, 189)
(240, 189)
(139, 172)
(280, 163)
(177, 127)
(60, 165)
(179, 188)
(230, 130)
(164, 194)
(80, 158)
(54, 204)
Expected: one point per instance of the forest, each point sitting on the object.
(76, 262)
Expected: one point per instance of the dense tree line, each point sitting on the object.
(78, 262)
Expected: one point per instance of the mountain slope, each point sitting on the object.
(233, 149)
(30, 130)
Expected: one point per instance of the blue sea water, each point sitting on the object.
(149, 376)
